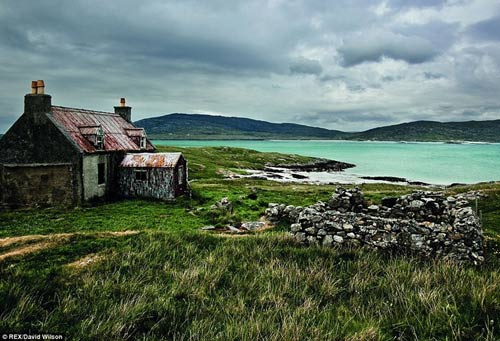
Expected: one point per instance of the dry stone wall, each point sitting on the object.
(425, 223)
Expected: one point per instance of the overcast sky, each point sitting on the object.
(343, 64)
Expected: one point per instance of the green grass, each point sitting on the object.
(205, 162)
(201, 286)
(174, 281)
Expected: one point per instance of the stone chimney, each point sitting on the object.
(124, 111)
(37, 101)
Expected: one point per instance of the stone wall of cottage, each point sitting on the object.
(425, 223)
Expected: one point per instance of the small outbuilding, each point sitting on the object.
(153, 175)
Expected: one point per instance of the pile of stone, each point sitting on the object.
(426, 223)
(421, 206)
(223, 207)
(223, 204)
(343, 200)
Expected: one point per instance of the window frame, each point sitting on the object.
(143, 175)
(99, 139)
(143, 142)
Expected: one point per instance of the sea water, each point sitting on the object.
(435, 163)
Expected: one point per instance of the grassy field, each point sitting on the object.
(76, 272)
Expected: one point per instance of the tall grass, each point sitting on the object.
(173, 281)
(197, 286)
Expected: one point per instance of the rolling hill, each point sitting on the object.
(208, 127)
(485, 131)
(191, 126)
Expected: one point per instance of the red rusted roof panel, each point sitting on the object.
(136, 132)
(89, 130)
(150, 160)
(113, 125)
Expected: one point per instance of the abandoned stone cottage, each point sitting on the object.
(55, 155)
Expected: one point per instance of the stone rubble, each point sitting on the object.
(425, 223)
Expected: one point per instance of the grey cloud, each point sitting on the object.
(306, 66)
(477, 70)
(486, 29)
(372, 47)
(440, 34)
(329, 78)
(432, 75)
(63, 31)
(391, 78)
(327, 118)
(416, 3)
(243, 58)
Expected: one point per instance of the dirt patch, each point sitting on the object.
(47, 241)
(4, 242)
(86, 261)
(22, 251)
(117, 233)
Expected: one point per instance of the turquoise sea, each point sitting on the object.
(436, 163)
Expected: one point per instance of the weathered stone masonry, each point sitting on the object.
(425, 223)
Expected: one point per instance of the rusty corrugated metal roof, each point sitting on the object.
(151, 160)
(113, 125)
(89, 130)
(136, 132)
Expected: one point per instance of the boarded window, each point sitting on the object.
(181, 175)
(140, 175)
(101, 173)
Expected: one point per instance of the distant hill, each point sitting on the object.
(205, 127)
(191, 126)
(485, 131)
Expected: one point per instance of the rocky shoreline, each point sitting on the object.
(396, 179)
(318, 165)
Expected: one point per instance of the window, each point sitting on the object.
(180, 176)
(143, 142)
(101, 173)
(99, 140)
(141, 175)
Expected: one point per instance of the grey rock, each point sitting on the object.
(252, 225)
(208, 228)
(348, 227)
(328, 240)
(338, 239)
(310, 230)
(295, 227)
(233, 229)
(300, 237)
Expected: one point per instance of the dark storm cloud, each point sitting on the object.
(373, 46)
(249, 58)
(72, 31)
(486, 29)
